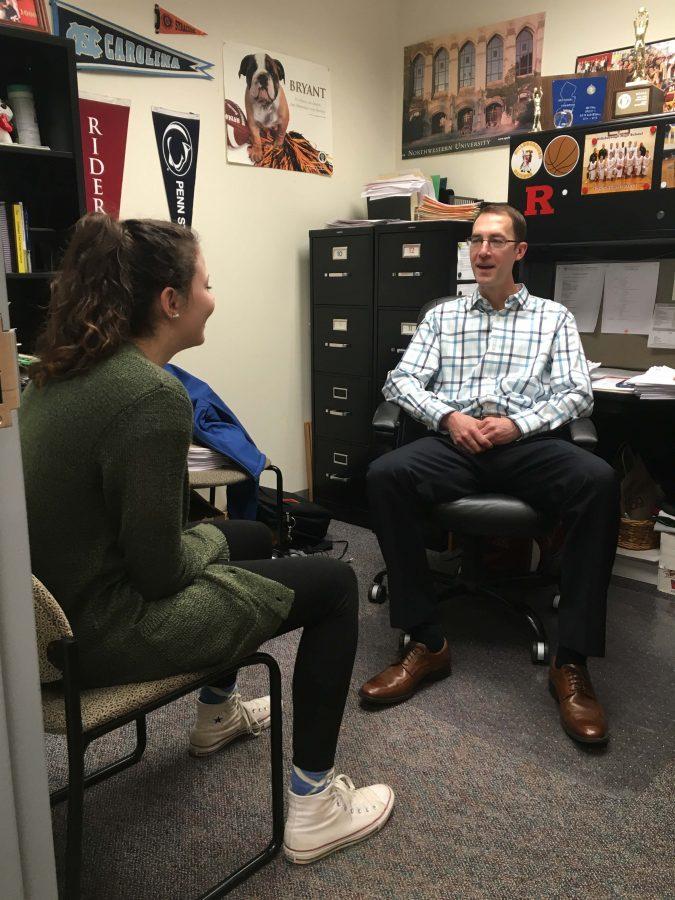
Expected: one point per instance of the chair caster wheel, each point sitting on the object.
(556, 601)
(403, 641)
(539, 652)
(377, 593)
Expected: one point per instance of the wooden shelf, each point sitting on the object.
(28, 276)
(646, 556)
(15, 150)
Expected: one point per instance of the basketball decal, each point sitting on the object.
(561, 156)
(526, 159)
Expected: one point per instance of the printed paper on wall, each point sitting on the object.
(617, 160)
(471, 89)
(278, 111)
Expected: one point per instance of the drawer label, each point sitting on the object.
(408, 328)
(340, 393)
(340, 253)
(411, 251)
(340, 324)
(341, 459)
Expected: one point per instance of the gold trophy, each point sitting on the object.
(537, 94)
(640, 23)
(640, 96)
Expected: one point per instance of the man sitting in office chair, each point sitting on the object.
(497, 375)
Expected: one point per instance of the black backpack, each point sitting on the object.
(304, 523)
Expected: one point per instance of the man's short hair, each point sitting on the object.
(503, 209)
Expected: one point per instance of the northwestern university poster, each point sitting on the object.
(472, 89)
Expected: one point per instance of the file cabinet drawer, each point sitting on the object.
(395, 328)
(342, 269)
(340, 472)
(342, 340)
(342, 407)
(415, 267)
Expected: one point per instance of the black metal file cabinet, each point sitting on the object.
(368, 285)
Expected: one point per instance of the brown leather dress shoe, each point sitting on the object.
(399, 681)
(581, 715)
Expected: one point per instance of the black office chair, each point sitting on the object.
(473, 518)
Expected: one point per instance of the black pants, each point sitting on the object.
(548, 472)
(326, 608)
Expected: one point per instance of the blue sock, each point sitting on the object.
(212, 694)
(304, 782)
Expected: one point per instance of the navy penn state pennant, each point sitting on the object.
(102, 46)
(177, 136)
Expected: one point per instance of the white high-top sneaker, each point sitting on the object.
(219, 723)
(319, 824)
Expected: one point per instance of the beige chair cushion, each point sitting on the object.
(219, 477)
(100, 705)
(51, 625)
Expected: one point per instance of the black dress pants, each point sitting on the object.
(325, 606)
(546, 471)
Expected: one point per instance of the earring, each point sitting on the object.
(176, 316)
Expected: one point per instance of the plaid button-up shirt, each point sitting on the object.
(524, 361)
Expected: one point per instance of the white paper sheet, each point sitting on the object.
(662, 334)
(464, 269)
(579, 288)
(630, 292)
(466, 290)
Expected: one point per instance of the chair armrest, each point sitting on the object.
(583, 433)
(386, 418)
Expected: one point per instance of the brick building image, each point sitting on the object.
(471, 89)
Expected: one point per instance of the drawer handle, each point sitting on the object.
(397, 350)
(331, 477)
(406, 274)
(336, 274)
(333, 345)
(337, 412)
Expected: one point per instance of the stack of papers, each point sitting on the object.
(202, 459)
(403, 185)
(430, 209)
(665, 523)
(357, 223)
(657, 383)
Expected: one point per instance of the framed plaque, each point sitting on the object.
(642, 100)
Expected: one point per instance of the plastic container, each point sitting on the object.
(20, 98)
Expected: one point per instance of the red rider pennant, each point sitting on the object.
(167, 23)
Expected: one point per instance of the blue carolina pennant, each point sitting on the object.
(102, 46)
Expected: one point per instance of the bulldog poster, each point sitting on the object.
(277, 111)
(471, 89)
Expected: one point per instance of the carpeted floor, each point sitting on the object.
(493, 800)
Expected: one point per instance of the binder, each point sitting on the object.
(5, 239)
(19, 238)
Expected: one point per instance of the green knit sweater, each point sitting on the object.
(105, 468)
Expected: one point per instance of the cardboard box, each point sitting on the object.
(393, 207)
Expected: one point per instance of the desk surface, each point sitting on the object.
(608, 372)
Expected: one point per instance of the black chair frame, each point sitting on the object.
(64, 654)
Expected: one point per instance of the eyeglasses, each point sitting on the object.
(494, 243)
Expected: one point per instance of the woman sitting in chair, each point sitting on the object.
(105, 432)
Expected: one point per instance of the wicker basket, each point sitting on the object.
(637, 534)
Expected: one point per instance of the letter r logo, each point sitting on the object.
(538, 197)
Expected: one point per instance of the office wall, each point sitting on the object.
(254, 223)
(572, 28)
